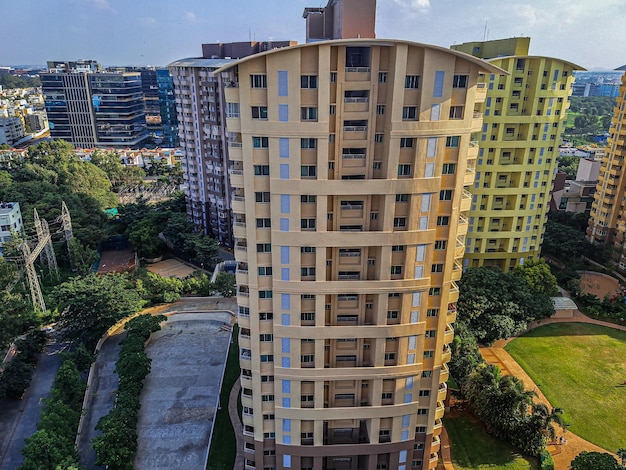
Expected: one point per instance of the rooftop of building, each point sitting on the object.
(8, 207)
(201, 62)
(485, 66)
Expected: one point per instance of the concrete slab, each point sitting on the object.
(181, 393)
(170, 268)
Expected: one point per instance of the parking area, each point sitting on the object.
(180, 395)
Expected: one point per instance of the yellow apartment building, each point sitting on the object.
(523, 119)
(349, 163)
(608, 223)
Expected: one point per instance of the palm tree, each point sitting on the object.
(547, 419)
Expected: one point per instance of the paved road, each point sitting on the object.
(102, 396)
(20, 417)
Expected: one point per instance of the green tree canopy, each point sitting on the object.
(594, 461)
(90, 305)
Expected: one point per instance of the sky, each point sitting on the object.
(590, 33)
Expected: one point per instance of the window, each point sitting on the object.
(440, 244)
(377, 165)
(427, 373)
(443, 220)
(332, 109)
(402, 198)
(262, 197)
(308, 113)
(263, 247)
(307, 358)
(448, 169)
(266, 315)
(308, 171)
(378, 138)
(272, 435)
(307, 297)
(267, 398)
(266, 337)
(445, 195)
(307, 272)
(263, 223)
(407, 142)
(399, 221)
(267, 358)
(261, 170)
(260, 142)
(333, 77)
(436, 268)
(409, 113)
(307, 249)
(452, 141)
(411, 81)
(404, 170)
(307, 224)
(267, 378)
(422, 411)
(397, 248)
(308, 81)
(258, 81)
(382, 77)
(396, 270)
(432, 312)
(459, 81)
(307, 316)
(265, 294)
(259, 112)
(424, 393)
(390, 356)
(232, 110)
(394, 295)
(430, 333)
(308, 199)
(265, 270)
(386, 396)
(456, 112)
(308, 143)
(380, 109)
(434, 291)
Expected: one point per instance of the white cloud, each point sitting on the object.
(100, 4)
(417, 6)
(191, 17)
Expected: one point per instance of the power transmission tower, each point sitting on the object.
(43, 237)
(66, 224)
(31, 273)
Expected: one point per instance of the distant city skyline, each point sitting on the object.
(117, 32)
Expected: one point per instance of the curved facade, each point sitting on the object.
(524, 117)
(349, 161)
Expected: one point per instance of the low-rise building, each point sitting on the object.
(10, 220)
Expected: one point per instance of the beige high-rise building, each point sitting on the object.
(350, 209)
(608, 213)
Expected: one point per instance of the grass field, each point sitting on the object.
(472, 448)
(582, 369)
(223, 442)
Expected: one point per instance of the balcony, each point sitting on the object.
(446, 355)
(439, 410)
(358, 74)
(442, 392)
(448, 334)
(444, 373)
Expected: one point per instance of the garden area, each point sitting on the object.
(473, 448)
(579, 365)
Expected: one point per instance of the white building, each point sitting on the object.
(10, 219)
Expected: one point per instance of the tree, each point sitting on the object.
(621, 453)
(144, 237)
(42, 451)
(15, 379)
(225, 284)
(81, 256)
(538, 277)
(594, 461)
(92, 304)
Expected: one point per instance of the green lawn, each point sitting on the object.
(472, 448)
(223, 443)
(582, 369)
